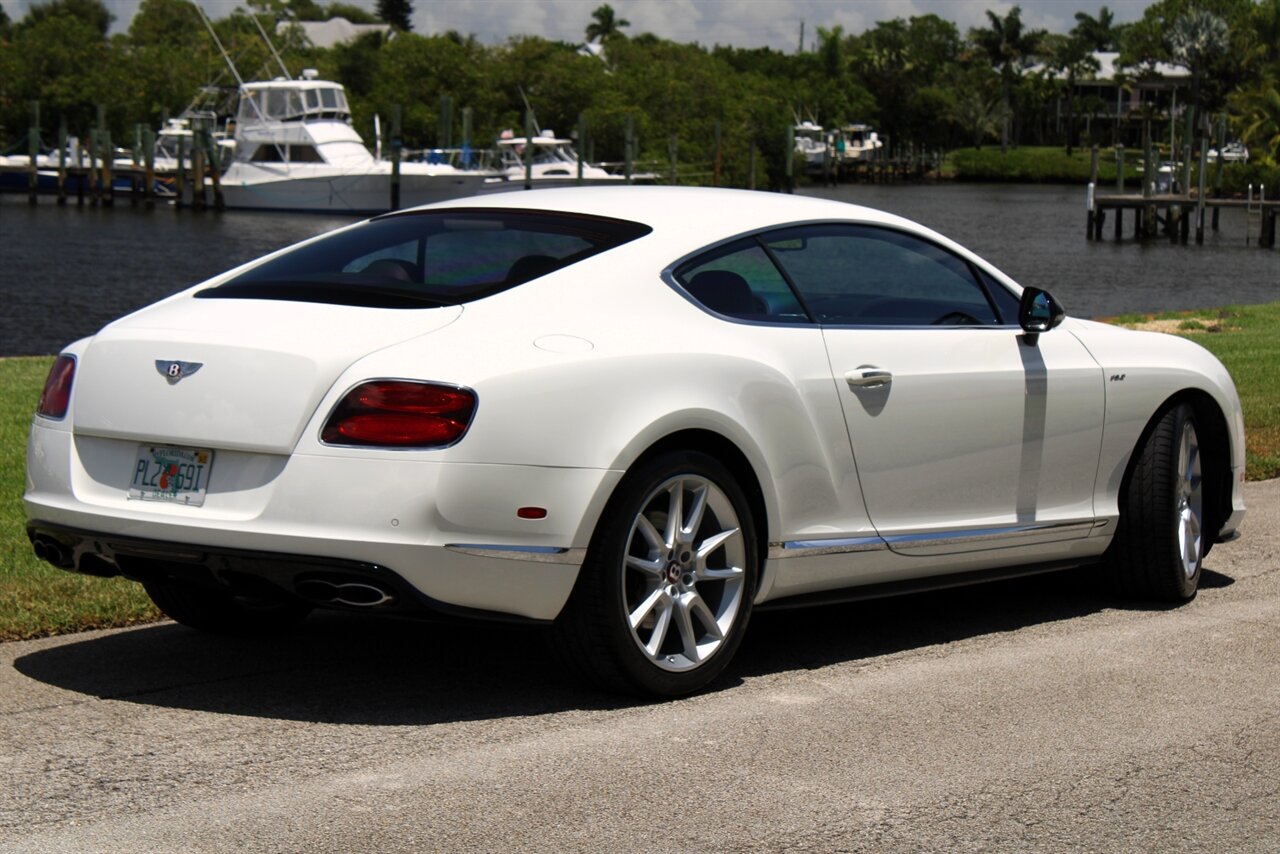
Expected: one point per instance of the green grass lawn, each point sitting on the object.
(37, 600)
(1050, 164)
(1247, 340)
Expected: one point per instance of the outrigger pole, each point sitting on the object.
(209, 26)
(272, 47)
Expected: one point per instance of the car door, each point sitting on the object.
(968, 434)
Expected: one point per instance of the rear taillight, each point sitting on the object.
(56, 396)
(400, 414)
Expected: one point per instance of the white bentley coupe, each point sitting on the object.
(633, 414)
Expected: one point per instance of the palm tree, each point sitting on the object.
(397, 13)
(1099, 33)
(605, 26)
(1256, 115)
(1073, 55)
(979, 114)
(1009, 47)
(1196, 39)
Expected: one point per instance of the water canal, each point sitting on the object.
(64, 272)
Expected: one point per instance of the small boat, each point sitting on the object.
(295, 149)
(1232, 152)
(811, 144)
(555, 163)
(177, 138)
(858, 142)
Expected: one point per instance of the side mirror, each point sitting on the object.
(1039, 312)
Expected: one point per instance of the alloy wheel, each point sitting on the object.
(683, 576)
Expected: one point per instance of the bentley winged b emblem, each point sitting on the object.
(173, 370)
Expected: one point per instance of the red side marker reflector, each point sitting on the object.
(532, 512)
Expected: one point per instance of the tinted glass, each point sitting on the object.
(740, 281)
(422, 259)
(863, 275)
(1006, 302)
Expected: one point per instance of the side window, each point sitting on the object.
(867, 276)
(740, 281)
(268, 153)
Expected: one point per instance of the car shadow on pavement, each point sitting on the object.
(356, 669)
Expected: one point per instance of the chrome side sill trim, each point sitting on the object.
(849, 545)
(950, 538)
(810, 548)
(535, 554)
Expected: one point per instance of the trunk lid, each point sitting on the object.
(263, 367)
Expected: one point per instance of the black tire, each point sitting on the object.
(690, 593)
(212, 610)
(1160, 540)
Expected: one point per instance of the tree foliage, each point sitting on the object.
(397, 13)
(919, 80)
(605, 25)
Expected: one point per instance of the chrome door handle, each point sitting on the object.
(868, 376)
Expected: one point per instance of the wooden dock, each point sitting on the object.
(1174, 216)
(102, 185)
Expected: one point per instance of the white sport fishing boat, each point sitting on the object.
(295, 149)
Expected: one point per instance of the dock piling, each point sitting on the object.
(1204, 167)
(149, 178)
(62, 161)
(33, 151)
(582, 143)
(395, 157)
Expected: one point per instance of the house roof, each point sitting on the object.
(334, 31)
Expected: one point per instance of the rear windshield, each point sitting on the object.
(429, 258)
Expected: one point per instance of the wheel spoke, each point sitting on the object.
(660, 629)
(684, 622)
(710, 544)
(726, 574)
(646, 607)
(675, 513)
(650, 534)
(652, 568)
(698, 608)
(689, 529)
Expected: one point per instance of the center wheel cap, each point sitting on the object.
(674, 571)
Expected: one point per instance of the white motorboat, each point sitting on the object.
(1232, 152)
(176, 140)
(295, 149)
(555, 163)
(859, 142)
(811, 144)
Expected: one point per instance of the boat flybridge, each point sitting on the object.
(295, 149)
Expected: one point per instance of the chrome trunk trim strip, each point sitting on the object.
(535, 554)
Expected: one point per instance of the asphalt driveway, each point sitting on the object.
(1029, 715)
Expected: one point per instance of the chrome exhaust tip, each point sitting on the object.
(356, 594)
(52, 551)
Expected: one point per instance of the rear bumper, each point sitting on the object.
(324, 582)
(447, 534)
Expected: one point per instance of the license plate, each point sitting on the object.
(166, 473)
